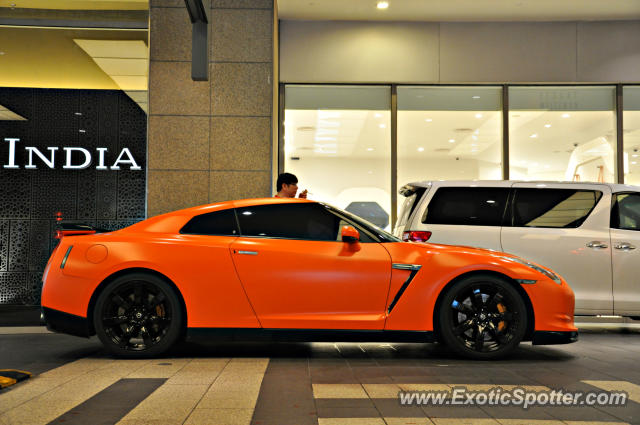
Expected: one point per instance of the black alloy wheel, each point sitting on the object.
(482, 317)
(138, 315)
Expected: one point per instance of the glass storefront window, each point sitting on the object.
(337, 141)
(562, 133)
(449, 133)
(631, 131)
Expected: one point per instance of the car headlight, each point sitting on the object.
(537, 268)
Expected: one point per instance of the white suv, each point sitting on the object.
(587, 232)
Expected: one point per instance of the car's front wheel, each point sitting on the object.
(482, 317)
(138, 315)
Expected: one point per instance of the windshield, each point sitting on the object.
(382, 235)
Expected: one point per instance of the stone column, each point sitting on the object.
(210, 140)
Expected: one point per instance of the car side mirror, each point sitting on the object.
(350, 234)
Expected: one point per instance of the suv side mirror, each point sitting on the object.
(350, 234)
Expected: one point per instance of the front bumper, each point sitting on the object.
(554, 337)
(59, 321)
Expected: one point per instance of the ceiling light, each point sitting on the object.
(452, 140)
(428, 120)
(634, 162)
(474, 137)
(547, 125)
(565, 115)
(635, 155)
(382, 5)
(77, 113)
(475, 97)
(420, 149)
(382, 126)
(533, 136)
(478, 115)
(369, 149)
(82, 131)
(377, 115)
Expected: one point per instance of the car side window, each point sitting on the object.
(559, 208)
(470, 206)
(305, 221)
(221, 223)
(625, 213)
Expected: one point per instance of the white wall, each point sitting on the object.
(503, 52)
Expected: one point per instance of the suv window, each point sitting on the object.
(293, 221)
(625, 213)
(214, 223)
(564, 208)
(471, 206)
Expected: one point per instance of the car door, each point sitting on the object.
(299, 274)
(625, 240)
(565, 227)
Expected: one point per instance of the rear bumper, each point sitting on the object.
(59, 321)
(554, 337)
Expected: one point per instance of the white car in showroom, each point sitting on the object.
(589, 233)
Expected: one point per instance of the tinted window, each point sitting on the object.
(213, 223)
(553, 207)
(472, 206)
(292, 221)
(626, 211)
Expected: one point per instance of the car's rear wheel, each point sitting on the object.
(138, 315)
(482, 317)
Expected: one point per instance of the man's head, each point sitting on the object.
(287, 185)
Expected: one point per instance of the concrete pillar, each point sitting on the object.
(210, 140)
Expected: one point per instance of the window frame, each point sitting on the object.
(512, 205)
(329, 209)
(509, 190)
(235, 219)
(614, 208)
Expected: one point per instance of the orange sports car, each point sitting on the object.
(294, 270)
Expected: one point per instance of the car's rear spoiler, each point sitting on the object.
(408, 190)
(74, 229)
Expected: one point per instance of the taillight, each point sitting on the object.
(415, 236)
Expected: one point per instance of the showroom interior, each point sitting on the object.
(115, 111)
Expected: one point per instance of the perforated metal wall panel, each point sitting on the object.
(29, 198)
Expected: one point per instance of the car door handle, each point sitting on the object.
(597, 245)
(625, 246)
(248, 252)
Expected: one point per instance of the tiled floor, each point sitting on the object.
(298, 384)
